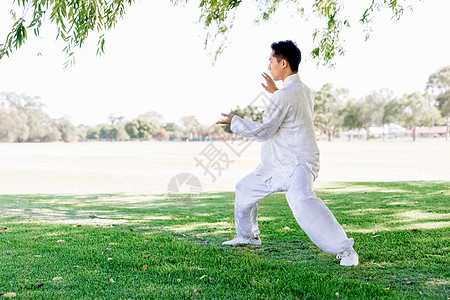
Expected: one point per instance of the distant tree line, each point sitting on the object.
(150, 126)
(334, 111)
(22, 118)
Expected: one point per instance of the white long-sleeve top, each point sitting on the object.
(287, 132)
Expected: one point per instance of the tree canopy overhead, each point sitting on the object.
(76, 19)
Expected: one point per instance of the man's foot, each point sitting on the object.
(349, 257)
(243, 241)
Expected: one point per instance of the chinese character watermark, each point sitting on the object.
(213, 157)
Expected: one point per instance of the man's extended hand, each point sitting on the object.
(270, 87)
(227, 119)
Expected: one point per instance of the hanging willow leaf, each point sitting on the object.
(76, 20)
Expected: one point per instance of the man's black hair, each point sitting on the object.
(289, 51)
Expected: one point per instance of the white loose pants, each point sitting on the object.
(310, 212)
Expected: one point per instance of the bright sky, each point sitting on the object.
(155, 61)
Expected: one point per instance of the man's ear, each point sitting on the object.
(284, 63)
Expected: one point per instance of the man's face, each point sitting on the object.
(276, 67)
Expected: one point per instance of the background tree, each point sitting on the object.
(121, 134)
(52, 134)
(174, 131)
(170, 127)
(115, 119)
(417, 111)
(108, 132)
(372, 109)
(13, 125)
(218, 133)
(75, 20)
(82, 131)
(154, 117)
(190, 126)
(351, 113)
(67, 130)
(209, 132)
(439, 81)
(444, 107)
(327, 102)
(161, 135)
(176, 135)
(391, 112)
(439, 85)
(93, 133)
(140, 128)
(114, 132)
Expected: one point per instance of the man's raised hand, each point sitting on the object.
(270, 87)
(227, 119)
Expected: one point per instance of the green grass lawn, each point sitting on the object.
(113, 246)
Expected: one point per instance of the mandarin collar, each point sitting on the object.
(291, 79)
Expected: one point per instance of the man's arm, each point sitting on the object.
(272, 120)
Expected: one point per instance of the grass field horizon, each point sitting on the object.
(94, 221)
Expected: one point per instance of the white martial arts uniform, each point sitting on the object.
(289, 162)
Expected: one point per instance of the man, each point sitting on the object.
(289, 160)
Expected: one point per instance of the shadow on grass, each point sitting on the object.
(361, 207)
(365, 207)
(401, 229)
